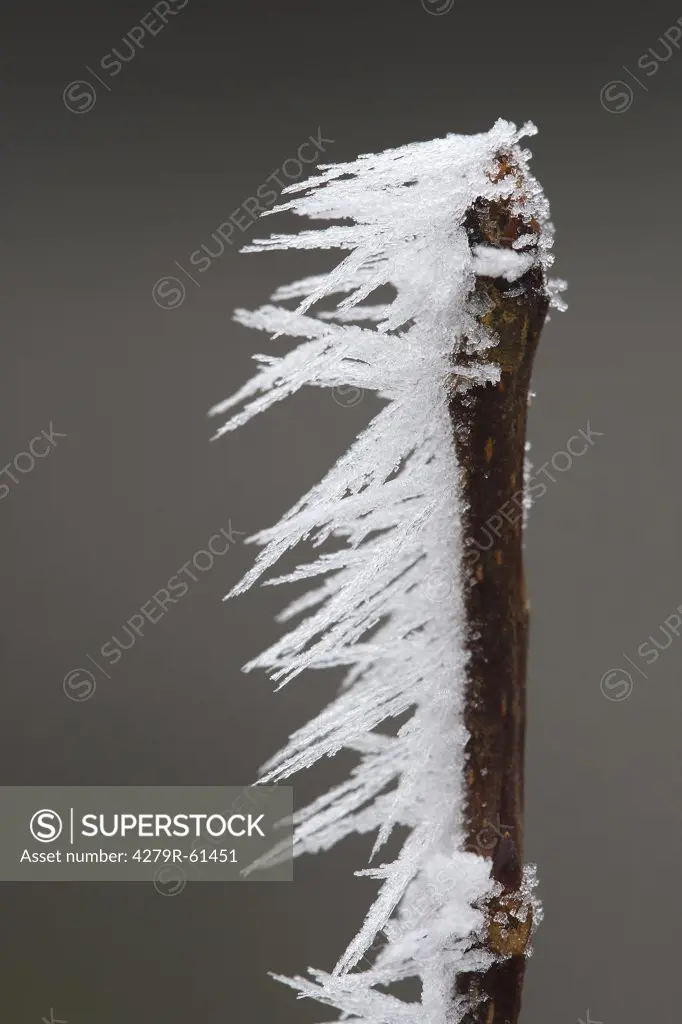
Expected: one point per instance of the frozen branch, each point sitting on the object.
(459, 229)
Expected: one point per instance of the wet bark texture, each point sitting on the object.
(489, 422)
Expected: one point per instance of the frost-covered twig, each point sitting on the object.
(489, 424)
(459, 229)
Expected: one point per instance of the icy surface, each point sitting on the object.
(393, 503)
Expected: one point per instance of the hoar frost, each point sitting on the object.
(394, 505)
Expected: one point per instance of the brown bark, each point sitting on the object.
(489, 422)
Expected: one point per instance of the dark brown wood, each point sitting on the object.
(489, 422)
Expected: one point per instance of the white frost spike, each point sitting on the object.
(393, 505)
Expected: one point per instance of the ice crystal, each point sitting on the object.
(393, 505)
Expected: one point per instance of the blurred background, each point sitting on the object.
(112, 178)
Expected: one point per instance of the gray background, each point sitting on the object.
(96, 209)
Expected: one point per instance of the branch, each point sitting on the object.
(490, 435)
